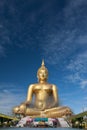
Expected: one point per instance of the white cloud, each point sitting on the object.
(83, 84)
(82, 39)
(4, 40)
(7, 101)
(63, 41)
(73, 6)
(85, 98)
(59, 41)
(2, 50)
(10, 97)
(73, 77)
(78, 70)
(79, 63)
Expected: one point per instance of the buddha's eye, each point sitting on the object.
(45, 75)
(42, 74)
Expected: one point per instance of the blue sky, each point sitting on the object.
(53, 30)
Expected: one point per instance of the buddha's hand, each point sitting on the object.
(51, 105)
(42, 109)
(26, 103)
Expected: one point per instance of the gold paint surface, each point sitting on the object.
(42, 99)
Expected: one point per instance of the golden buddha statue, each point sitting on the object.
(42, 99)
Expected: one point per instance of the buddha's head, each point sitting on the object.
(42, 73)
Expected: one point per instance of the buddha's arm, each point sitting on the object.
(55, 95)
(29, 95)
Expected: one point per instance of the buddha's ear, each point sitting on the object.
(37, 76)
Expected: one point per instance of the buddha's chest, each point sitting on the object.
(42, 89)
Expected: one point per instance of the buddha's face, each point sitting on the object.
(42, 75)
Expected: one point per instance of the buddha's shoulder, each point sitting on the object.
(40, 85)
(51, 84)
(32, 85)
